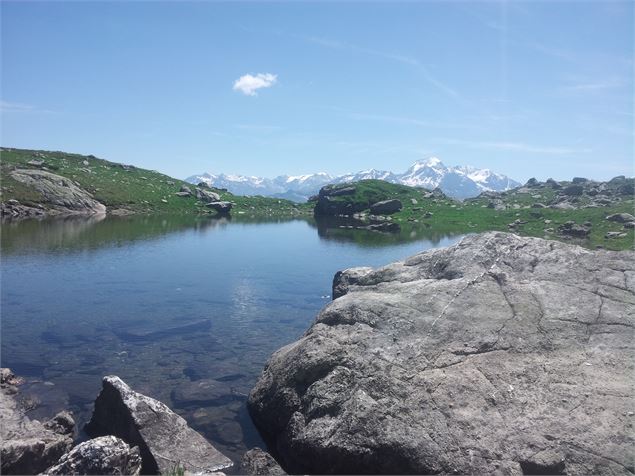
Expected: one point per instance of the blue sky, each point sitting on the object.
(537, 88)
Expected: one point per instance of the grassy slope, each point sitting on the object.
(137, 190)
(142, 191)
(450, 216)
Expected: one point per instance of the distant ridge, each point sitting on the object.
(458, 182)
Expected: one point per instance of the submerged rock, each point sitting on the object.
(28, 446)
(499, 355)
(62, 423)
(103, 455)
(163, 437)
(260, 463)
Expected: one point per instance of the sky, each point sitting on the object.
(529, 89)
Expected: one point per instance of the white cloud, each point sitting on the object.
(249, 84)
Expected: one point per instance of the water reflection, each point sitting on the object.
(349, 230)
(185, 309)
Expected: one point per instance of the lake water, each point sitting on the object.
(185, 310)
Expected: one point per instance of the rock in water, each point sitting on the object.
(59, 191)
(103, 455)
(260, 463)
(163, 437)
(499, 355)
(28, 446)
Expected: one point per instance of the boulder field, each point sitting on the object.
(498, 355)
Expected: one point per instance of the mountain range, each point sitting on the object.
(458, 181)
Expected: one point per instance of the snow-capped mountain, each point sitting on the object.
(458, 182)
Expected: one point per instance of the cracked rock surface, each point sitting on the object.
(103, 455)
(60, 192)
(499, 355)
(164, 439)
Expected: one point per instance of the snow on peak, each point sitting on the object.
(458, 181)
(433, 162)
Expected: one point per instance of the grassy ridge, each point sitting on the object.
(150, 192)
(449, 216)
(126, 187)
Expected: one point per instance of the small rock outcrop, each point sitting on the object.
(103, 455)
(14, 209)
(62, 424)
(571, 228)
(223, 208)
(329, 205)
(260, 463)
(498, 355)
(163, 437)
(386, 207)
(28, 446)
(621, 217)
(206, 196)
(59, 192)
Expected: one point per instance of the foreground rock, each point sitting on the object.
(260, 463)
(28, 446)
(499, 355)
(59, 192)
(163, 437)
(103, 455)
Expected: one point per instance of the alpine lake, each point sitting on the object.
(186, 310)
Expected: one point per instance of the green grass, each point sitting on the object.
(372, 191)
(473, 216)
(150, 192)
(136, 190)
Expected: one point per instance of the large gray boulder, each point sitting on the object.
(60, 192)
(103, 455)
(499, 355)
(223, 208)
(163, 437)
(28, 446)
(386, 207)
(206, 196)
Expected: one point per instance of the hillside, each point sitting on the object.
(123, 189)
(602, 219)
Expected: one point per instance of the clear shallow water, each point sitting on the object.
(185, 310)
